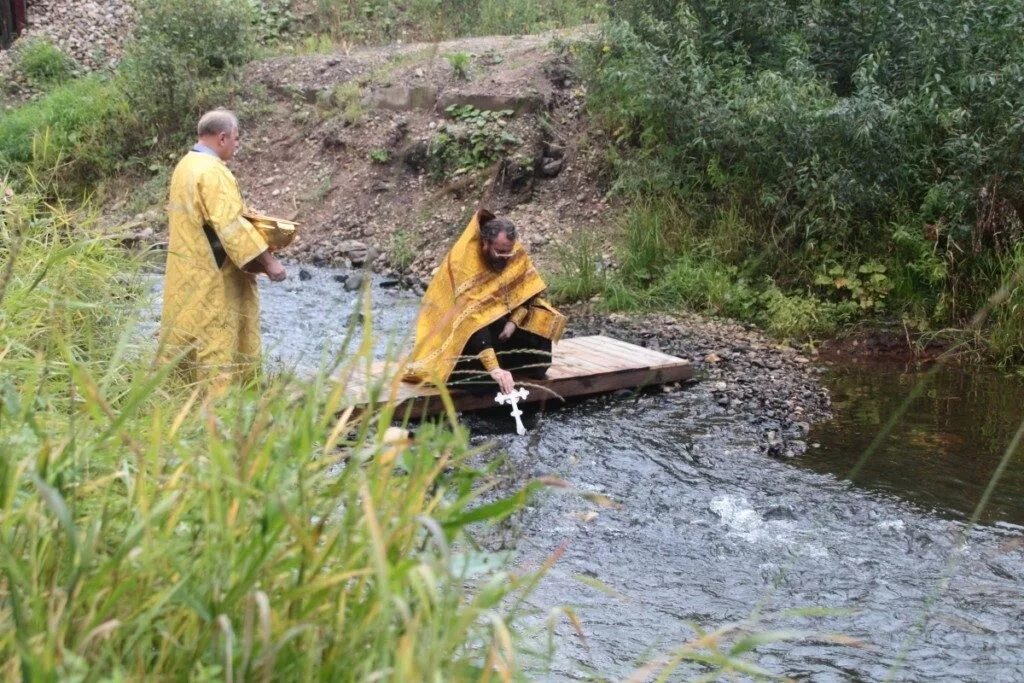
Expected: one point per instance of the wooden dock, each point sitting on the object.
(581, 366)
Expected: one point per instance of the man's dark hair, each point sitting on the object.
(495, 226)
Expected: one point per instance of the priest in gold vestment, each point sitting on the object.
(210, 317)
(483, 315)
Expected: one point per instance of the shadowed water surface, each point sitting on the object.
(943, 450)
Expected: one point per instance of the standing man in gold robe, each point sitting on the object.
(211, 303)
(482, 314)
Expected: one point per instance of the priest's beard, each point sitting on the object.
(495, 264)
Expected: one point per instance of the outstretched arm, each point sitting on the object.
(481, 345)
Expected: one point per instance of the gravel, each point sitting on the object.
(90, 32)
(773, 385)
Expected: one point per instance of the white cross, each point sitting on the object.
(513, 398)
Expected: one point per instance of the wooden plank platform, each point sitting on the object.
(581, 366)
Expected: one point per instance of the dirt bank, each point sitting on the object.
(366, 152)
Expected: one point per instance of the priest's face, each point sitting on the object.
(498, 251)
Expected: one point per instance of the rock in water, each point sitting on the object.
(354, 282)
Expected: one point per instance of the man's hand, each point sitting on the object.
(271, 266)
(508, 331)
(504, 380)
(276, 272)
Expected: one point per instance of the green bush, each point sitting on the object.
(831, 132)
(382, 21)
(42, 62)
(514, 17)
(89, 128)
(179, 62)
(71, 135)
(799, 317)
(474, 141)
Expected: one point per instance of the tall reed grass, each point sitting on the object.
(147, 531)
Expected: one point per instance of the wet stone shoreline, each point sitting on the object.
(774, 389)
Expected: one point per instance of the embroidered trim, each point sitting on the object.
(466, 312)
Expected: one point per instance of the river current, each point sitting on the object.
(706, 530)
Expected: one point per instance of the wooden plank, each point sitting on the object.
(621, 359)
(581, 366)
(632, 356)
(595, 355)
(650, 356)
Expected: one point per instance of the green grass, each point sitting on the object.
(460, 62)
(580, 276)
(348, 98)
(380, 21)
(67, 132)
(401, 250)
(42, 62)
(666, 264)
(147, 531)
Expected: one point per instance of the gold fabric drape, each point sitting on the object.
(466, 295)
(213, 312)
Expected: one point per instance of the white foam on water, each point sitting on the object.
(742, 520)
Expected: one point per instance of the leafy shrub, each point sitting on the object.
(867, 285)
(514, 17)
(272, 19)
(172, 71)
(180, 48)
(704, 284)
(382, 21)
(826, 130)
(42, 62)
(799, 317)
(476, 140)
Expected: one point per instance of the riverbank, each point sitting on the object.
(775, 386)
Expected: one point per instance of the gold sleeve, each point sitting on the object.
(519, 315)
(489, 359)
(222, 209)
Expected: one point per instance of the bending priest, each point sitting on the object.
(482, 316)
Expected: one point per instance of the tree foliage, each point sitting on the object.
(842, 133)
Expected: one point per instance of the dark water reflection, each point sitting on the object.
(944, 449)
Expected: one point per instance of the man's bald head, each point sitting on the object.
(218, 130)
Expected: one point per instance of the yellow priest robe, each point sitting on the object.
(466, 295)
(210, 313)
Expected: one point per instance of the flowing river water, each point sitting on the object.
(709, 531)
